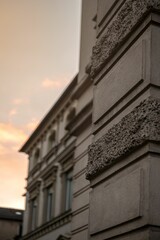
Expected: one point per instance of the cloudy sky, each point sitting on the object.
(39, 54)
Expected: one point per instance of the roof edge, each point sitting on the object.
(71, 85)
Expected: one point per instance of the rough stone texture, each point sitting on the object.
(139, 126)
(127, 18)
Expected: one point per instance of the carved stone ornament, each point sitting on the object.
(34, 190)
(139, 126)
(131, 13)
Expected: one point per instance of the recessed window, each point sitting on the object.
(68, 197)
(36, 155)
(33, 218)
(71, 114)
(49, 203)
(51, 140)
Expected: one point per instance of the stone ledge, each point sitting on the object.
(49, 226)
(131, 14)
(136, 128)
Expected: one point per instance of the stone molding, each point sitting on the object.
(35, 169)
(131, 13)
(81, 120)
(34, 189)
(134, 130)
(55, 223)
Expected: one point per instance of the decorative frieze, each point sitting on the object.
(139, 126)
(131, 13)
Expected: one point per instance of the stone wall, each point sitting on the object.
(123, 166)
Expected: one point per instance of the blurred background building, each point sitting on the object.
(11, 224)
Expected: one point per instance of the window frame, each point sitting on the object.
(34, 211)
(51, 140)
(68, 189)
(50, 203)
(49, 187)
(33, 190)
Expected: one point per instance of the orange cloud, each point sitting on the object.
(19, 101)
(13, 112)
(3, 150)
(13, 170)
(13, 166)
(48, 83)
(9, 133)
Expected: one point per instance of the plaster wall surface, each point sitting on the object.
(124, 171)
(81, 187)
(57, 232)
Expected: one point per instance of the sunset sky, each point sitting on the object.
(39, 55)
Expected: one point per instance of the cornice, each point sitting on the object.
(83, 85)
(34, 188)
(52, 151)
(81, 120)
(49, 171)
(129, 16)
(134, 130)
(67, 153)
(50, 116)
(55, 223)
(35, 169)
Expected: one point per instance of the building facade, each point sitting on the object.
(57, 196)
(124, 158)
(50, 178)
(105, 127)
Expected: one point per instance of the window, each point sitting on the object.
(66, 163)
(33, 189)
(36, 156)
(51, 140)
(49, 184)
(68, 198)
(49, 202)
(33, 213)
(71, 114)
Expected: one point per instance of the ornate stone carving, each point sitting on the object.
(126, 19)
(139, 126)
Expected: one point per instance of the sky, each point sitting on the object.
(39, 56)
